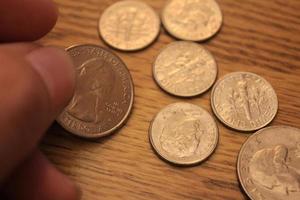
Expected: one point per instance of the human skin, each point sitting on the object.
(36, 83)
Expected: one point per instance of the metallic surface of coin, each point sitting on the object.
(269, 164)
(129, 25)
(183, 134)
(103, 95)
(185, 69)
(193, 20)
(244, 101)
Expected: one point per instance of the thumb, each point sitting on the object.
(35, 84)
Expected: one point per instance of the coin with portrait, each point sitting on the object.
(244, 101)
(269, 164)
(193, 20)
(129, 25)
(185, 69)
(183, 134)
(103, 95)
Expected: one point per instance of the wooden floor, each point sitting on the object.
(260, 36)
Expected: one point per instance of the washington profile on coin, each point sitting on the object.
(103, 96)
(271, 169)
(86, 104)
(183, 134)
(269, 164)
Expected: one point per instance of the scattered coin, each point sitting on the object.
(129, 25)
(269, 164)
(185, 69)
(103, 96)
(183, 134)
(244, 101)
(194, 20)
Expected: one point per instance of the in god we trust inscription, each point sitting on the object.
(269, 164)
(244, 101)
(103, 95)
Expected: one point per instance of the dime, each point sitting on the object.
(269, 164)
(244, 101)
(103, 95)
(194, 20)
(129, 25)
(183, 134)
(185, 69)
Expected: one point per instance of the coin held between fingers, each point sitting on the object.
(103, 96)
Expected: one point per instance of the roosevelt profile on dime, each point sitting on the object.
(192, 20)
(183, 134)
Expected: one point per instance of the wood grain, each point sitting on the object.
(260, 36)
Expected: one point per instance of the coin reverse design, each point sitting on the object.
(185, 69)
(129, 25)
(244, 101)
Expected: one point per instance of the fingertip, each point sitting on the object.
(58, 73)
(36, 85)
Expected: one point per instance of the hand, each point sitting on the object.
(36, 83)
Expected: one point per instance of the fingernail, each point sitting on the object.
(57, 72)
